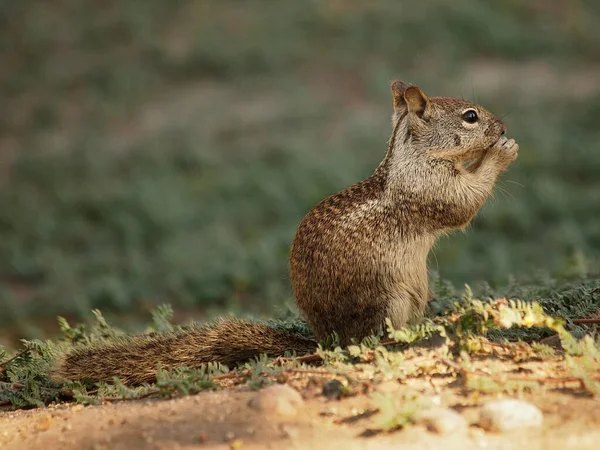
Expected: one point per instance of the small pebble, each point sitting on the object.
(229, 436)
(441, 420)
(508, 415)
(44, 422)
(333, 390)
(278, 399)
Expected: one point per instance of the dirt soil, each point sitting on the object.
(222, 419)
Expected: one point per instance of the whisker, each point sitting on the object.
(505, 192)
(514, 182)
(437, 265)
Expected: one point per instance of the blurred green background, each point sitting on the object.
(165, 151)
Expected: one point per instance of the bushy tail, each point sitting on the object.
(135, 359)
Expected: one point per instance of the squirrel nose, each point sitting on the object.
(503, 129)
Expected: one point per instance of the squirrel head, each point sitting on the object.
(444, 127)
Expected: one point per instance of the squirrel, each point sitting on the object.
(358, 256)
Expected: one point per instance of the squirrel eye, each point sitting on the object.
(470, 116)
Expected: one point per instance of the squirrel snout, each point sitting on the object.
(496, 127)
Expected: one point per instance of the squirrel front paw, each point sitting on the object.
(505, 151)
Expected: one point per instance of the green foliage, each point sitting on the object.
(542, 349)
(414, 332)
(188, 381)
(490, 385)
(117, 390)
(161, 318)
(568, 299)
(396, 411)
(258, 370)
(583, 368)
(98, 330)
(25, 380)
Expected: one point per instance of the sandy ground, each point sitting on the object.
(222, 419)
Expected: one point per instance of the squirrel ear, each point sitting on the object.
(416, 102)
(398, 88)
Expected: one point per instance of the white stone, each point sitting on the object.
(278, 399)
(508, 415)
(441, 420)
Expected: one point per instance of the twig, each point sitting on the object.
(307, 358)
(586, 321)
(229, 375)
(15, 385)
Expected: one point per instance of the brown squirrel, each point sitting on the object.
(358, 257)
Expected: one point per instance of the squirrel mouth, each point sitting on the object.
(469, 162)
(476, 155)
(473, 156)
